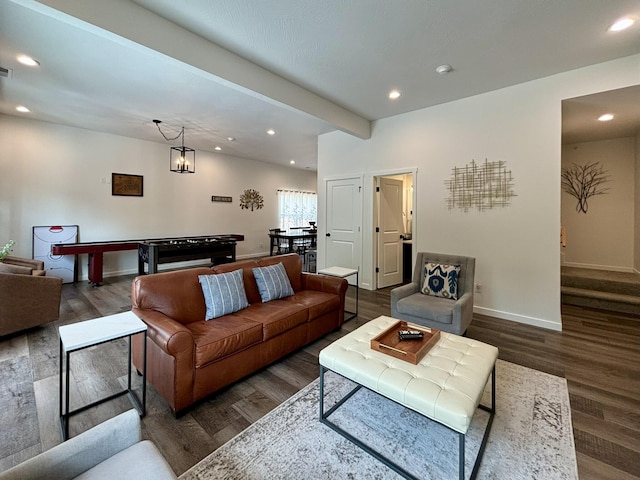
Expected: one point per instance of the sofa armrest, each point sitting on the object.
(171, 336)
(324, 283)
(27, 301)
(399, 293)
(83, 452)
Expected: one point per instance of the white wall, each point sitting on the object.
(517, 248)
(602, 238)
(52, 175)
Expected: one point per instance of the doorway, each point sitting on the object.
(343, 222)
(394, 226)
(600, 238)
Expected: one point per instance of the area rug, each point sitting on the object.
(18, 415)
(531, 436)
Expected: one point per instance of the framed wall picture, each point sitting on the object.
(127, 185)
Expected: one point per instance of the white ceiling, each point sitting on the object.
(580, 116)
(235, 68)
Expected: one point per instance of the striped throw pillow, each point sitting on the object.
(273, 282)
(223, 293)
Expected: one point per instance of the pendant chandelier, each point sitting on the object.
(181, 159)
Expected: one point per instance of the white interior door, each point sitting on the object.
(391, 231)
(344, 207)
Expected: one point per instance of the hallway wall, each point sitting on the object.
(602, 238)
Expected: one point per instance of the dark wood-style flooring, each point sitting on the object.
(597, 352)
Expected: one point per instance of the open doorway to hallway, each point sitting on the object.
(395, 223)
(600, 203)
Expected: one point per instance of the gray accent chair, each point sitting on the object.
(108, 451)
(453, 316)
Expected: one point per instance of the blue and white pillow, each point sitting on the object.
(441, 280)
(223, 293)
(273, 282)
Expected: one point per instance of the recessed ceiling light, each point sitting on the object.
(444, 69)
(218, 148)
(231, 139)
(606, 117)
(292, 162)
(393, 94)
(23, 109)
(622, 24)
(271, 131)
(27, 60)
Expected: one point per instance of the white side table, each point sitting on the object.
(81, 335)
(342, 272)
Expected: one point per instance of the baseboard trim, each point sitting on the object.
(608, 268)
(514, 317)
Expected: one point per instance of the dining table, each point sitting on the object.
(289, 237)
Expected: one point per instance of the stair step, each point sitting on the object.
(603, 300)
(615, 297)
(601, 284)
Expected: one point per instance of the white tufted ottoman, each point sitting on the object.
(446, 386)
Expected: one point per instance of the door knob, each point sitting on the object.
(328, 234)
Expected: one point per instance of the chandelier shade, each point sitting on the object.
(182, 160)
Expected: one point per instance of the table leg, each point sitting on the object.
(62, 419)
(95, 268)
(66, 399)
(144, 375)
(357, 285)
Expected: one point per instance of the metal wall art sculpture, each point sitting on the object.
(251, 199)
(584, 181)
(483, 187)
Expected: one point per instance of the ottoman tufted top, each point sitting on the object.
(446, 386)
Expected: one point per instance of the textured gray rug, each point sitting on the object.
(531, 436)
(18, 415)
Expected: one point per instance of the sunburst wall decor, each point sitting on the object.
(251, 199)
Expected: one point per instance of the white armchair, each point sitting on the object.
(110, 450)
(453, 316)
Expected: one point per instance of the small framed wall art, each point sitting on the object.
(126, 185)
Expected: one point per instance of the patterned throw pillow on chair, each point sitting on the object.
(441, 280)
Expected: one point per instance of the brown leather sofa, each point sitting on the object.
(28, 298)
(189, 358)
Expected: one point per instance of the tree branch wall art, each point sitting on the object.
(485, 186)
(583, 182)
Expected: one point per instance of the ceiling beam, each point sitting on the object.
(132, 22)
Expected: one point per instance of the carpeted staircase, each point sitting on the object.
(615, 291)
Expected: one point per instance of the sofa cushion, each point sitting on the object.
(441, 280)
(318, 303)
(273, 282)
(276, 316)
(223, 293)
(229, 335)
(140, 461)
(247, 266)
(176, 294)
(15, 269)
(292, 263)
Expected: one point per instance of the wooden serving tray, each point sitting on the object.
(411, 351)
